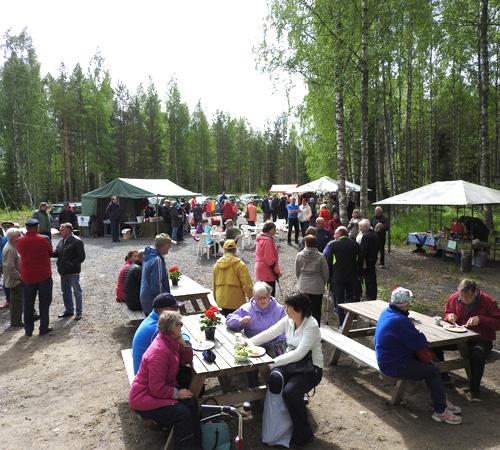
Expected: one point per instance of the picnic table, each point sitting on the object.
(191, 293)
(437, 337)
(224, 367)
(133, 226)
(423, 239)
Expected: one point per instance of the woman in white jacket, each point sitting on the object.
(301, 366)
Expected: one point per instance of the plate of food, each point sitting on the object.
(455, 328)
(202, 346)
(256, 352)
(240, 353)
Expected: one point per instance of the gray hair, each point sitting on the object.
(261, 287)
(364, 223)
(161, 239)
(13, 232)
(342, 231)
(168, 320)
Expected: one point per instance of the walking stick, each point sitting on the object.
(279, 289)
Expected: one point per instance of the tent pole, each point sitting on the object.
(429, 218)
(389, 237)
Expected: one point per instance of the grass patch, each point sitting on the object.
(19, 216)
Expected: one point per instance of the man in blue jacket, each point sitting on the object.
(398, 344)
(148, 329)
(154, 280)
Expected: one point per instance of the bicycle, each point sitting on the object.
(222, 410)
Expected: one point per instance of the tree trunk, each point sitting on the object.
(484, 70)
(388, 131)
(432, 163)
(341, 165)
(364, 107)
(409, 93)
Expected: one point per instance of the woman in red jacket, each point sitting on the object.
(266, 257)
(155, 393)
(120, 286)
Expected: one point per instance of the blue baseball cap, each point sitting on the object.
(32, 222)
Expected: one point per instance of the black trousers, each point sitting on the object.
(115, 230)
(316, 306)
(226, 311)
(185, 419)
(343, 292)
(293, 223)
(381, 241)
(293, 395)
(275, 216)
(370, 279)
(304, 226)
(273, 287)
(479, 351)
(44, 290)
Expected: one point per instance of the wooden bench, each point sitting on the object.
(133, 316)
(129, 368)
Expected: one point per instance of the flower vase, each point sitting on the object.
(175, 282)
(210, 333)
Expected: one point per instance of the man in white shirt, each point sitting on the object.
(304, 216)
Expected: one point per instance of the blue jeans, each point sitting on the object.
(71, 283)
(44, 290)
(115, 230)
(175, 230)
(418, 370)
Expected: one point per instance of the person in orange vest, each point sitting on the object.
(251, 213)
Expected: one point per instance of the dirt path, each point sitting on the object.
(68, 390)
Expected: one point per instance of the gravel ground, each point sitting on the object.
(68, 390)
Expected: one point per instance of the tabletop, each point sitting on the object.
(224, 363)
(436, 335)
(187, 287)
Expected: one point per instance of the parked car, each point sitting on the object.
(245, 198)
(57, 208)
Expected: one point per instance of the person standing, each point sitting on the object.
(36, 274)
(67, 215)
(113, 213)
(293, 221)
(343, 256)
(12, 277)
(304, 216)
(311, 270)
(282, 211)
(369, 254)
(266, 209)
(43, 218)
(381, 225)
(274, 207)
(167, 216)
(176, 215)
(70, 254)
(266, 257)
(353, 226)
(197, 214)
(251, 213)
(154, 280)
(227, 212)
(322, 234)
(232, 284)
(7, 225)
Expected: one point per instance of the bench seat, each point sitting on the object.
(133, 316)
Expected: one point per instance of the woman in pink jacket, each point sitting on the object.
(266, 257)
(155, 393)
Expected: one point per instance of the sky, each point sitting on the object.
(207, 45)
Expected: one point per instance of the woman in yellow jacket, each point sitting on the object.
(232, 284)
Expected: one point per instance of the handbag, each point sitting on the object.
(305, 366)
(276, 421)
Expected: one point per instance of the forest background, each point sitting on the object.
(400, 93)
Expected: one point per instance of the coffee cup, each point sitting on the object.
(437, 320)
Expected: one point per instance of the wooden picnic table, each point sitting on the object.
(189, 291)
(436, 335)
(224, 367)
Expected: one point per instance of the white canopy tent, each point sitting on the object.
(324, 185)
(449, 193)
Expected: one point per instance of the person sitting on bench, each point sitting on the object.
(148, 329)
(471, 307)
(155, 392)
(402, 352)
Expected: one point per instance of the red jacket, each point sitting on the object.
(266, 259)
(120, 286)
(227, 211)
(35, 251)
(486, 309)
(154, 386)
(323, 212)
(333, 225)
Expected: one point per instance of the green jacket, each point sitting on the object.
(44, 219)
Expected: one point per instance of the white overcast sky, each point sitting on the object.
(206, 44)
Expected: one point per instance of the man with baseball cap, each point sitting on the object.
(402, 352)
(36, 274)
(42, 215)
(149, 326)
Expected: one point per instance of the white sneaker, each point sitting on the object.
(453, 408)
(447, 417)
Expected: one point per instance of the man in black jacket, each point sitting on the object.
(369, 254)
(343, 256)
(70, 254)
(381, 225)
(132, 283)
(167, 216)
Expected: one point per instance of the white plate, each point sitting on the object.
(256, 352)
(455, 328)
(202, 346)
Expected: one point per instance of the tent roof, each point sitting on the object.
(324, 185)
(451, 193)
(282, 187)
(139, 188)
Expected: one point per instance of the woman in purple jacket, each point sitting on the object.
(255, 316)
